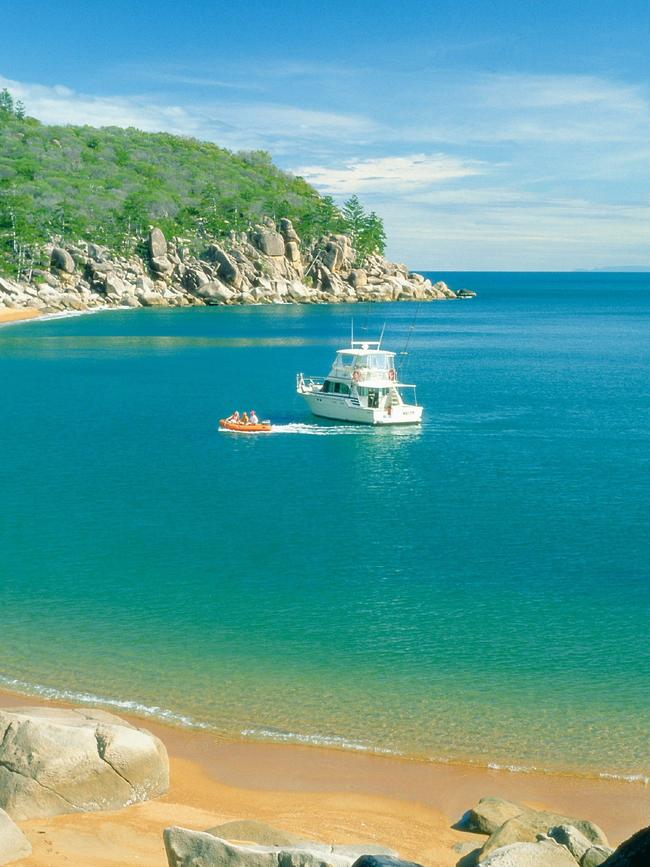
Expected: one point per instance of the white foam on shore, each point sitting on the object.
(73, 696)
(171, 717)
(514, 769)
(63, 314)
(626, 778)
(314, 740)
(70, 314)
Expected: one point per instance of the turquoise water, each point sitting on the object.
(474, 590)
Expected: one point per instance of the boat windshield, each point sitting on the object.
(376, 361)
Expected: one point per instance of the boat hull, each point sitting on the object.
(340, 409)
(238, 427)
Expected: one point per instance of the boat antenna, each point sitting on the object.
(351, 331)
(404, 353)
(381, 337)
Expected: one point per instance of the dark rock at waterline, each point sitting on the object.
(383, 861)
(634, 852)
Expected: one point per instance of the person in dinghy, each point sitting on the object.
(245, 423)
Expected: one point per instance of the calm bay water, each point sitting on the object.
(474, 590)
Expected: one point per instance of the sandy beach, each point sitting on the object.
(325, 794)
(17, 315)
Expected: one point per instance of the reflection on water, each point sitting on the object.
(50, 344)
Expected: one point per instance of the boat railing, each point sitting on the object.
(309, 382)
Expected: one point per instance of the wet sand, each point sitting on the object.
(324, 794)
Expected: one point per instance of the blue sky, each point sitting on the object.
(488, 135)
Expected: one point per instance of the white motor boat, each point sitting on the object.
(362, 387)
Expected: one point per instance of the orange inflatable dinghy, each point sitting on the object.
(239, 426)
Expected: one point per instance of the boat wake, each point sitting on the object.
(321, 430)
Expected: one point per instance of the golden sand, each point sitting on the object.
(15, 315)
(322, 794)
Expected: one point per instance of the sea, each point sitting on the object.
(475, 590)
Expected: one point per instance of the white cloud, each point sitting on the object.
(231, 124)
(388, 174)
(559, 91)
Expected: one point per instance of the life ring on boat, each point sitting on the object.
(392, 375)
(356, 376)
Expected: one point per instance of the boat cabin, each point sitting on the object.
(362, 385)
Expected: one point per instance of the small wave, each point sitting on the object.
(72, 314)
(135, 707)
(313, 740)
(514, 769)
(626, 778)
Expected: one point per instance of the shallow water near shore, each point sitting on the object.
(474, 590)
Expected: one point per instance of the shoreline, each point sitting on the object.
(331, 794)
(13, 689)
(8, 315)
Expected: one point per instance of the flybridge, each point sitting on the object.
(362, 386)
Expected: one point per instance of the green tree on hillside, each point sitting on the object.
(366, 230)
(109, 185)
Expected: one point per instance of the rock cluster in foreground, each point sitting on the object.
(54, 760)
(519, 836)
(264, 266)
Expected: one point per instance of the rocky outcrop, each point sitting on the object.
(157, 244)
(263, 266)
(13, 843)
(61, 260)
(187, 848)
(54, 761)
(268, 241)
(545, 853)
(526, 827)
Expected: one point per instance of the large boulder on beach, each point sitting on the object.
(545, 853)
(252, 831)
(634, 852)
(13, 843)
(187, 848)
(526, 827)
(489, 814)
(54, 760)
